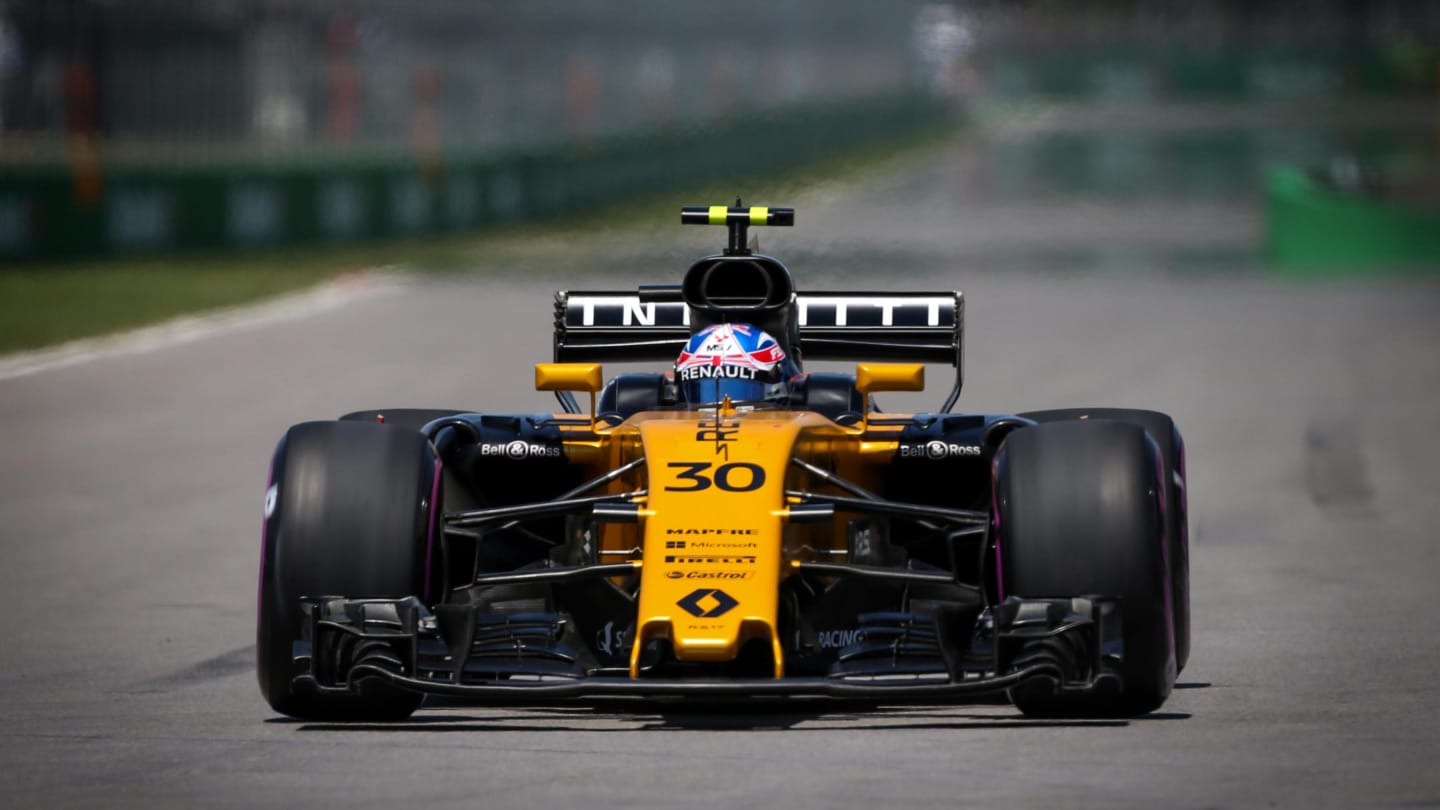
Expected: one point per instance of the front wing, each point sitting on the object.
(1074, 644)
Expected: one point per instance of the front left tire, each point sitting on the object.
(350, 512)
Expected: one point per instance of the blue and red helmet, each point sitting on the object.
(731, 359)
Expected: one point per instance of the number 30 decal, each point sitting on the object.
(737, 476)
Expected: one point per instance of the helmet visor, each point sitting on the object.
(713, 391)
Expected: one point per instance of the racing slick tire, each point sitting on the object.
(1177, 522)
(349, 512)
(1079, 513)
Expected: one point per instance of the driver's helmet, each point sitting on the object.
(731, 359)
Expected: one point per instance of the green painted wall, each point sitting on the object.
(1311, 228)
(57, 211)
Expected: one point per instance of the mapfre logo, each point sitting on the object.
(937, 450)
(519, 450)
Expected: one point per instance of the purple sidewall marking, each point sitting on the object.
(431, 520)
(1184, 500)
(264, 550)
(995, 529)
(1165, 557)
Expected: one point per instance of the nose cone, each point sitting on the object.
(713, 535)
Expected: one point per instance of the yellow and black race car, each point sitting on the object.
(730, 527)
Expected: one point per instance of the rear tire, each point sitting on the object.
(1079, 514)
(349, 513)
(1177, 521)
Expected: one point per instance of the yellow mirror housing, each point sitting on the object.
(872, 377)
(569, 377)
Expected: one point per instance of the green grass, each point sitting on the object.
(49, 303)
(45, 304)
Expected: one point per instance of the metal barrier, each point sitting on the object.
(88, 208)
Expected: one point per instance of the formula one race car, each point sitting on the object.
(731, 526)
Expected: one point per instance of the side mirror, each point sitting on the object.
(872, 377)
(570, 377)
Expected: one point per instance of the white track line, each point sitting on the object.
(189, 328)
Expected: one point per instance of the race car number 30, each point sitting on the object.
(736, 476)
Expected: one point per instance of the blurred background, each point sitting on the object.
(285, 76)
(1288, 134)
(1199, 206)
(210, 77)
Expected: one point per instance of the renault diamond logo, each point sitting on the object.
(707, 603)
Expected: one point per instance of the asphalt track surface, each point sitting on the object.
(130, 509)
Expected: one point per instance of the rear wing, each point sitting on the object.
(652, 325)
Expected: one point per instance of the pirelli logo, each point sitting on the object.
(920, 310)
(711, 559)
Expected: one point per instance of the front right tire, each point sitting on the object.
(1177, 522)
(1079, 508)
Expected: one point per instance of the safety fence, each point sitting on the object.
(1185, 72)
(1195, 164)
